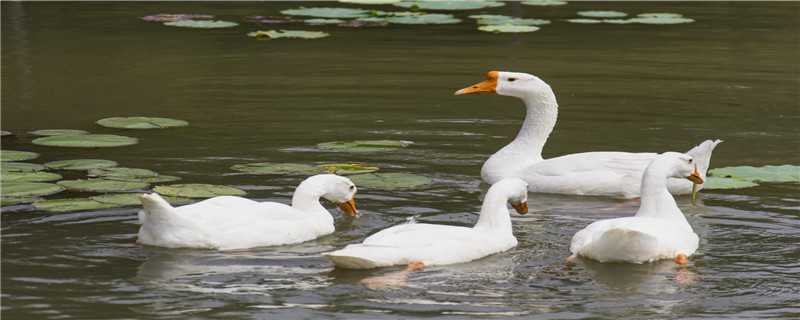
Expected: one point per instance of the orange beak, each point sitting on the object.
(349, 207)
(695, 177)
(522, 207)
(487, 86)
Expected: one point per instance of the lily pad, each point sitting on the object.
(4, 133)
(196, 190)
(36, 176)
(320, 21)
(322, 12)
(86, 141)
(80, 164)
(364, 23)
(430, 18)
(10, 201)
(276, 168)
(20, 167)
(783, 173)
(364, 145)
(299, 34)
(496, 19)
(449, 4)
(101, 185)
(662, 20)
(713, 183)
(272, 19)
(508, 28)
(660, 15)
(544, 2)
(30, 189)
(71, 205)
(347, 168)
(157, 179)
(619, 21)
(122, 172)
(141, 122)
(585, 21)
(58, 132)
(390, 181)
(132, 199)
(201, 24)
(170, 17)
(602, 14)
(13, 155)
(370, 1)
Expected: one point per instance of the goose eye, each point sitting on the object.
(690, 161)
(352, 188)
(512, 79)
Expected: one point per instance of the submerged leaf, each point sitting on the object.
(299, 34)
(364, 145)
(323, 12)
(347, 168)
(450, 4)
(141, 123)
(80, 164)
(30, 189)
(20, 167)
(36, 176)
(101, 185)
(13, 155)
(196, 190)
(507, 28)
(201, 24)
(390, 181)
(86, 141)
(57, 132)
(276, 168)
(71, 205)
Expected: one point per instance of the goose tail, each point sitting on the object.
(358, 256)
(702, 154)
(621, 245)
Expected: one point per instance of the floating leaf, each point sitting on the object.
(101, 185)
(57, 132)
(602, 14)
(141, 122)
(496, 19)
(10, 201)
(5, 133)
(327, 12)
(20, 167)
(712, 183)
(71, 205)
(783, 173)
(86, 141)
(299, 34)
(80, 164)
(321, 21)
(390, 181)
(662, 20)
(450, 4)
(544, 2)
(619, 21)
(430, 18)
(157, 179)
(370, 1)
(132, 199)
(347, 168)
(585, 21)
(201, 24)
(169, 17)
(272, 19)
(364, 23)
(507, 28)
(276, 168)
(36, 176)
(30, 189)
(660, 15)
(364, 145)
(13, 155)
(122, 172)
(197, 190)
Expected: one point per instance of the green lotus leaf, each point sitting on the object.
(141, 123)
(122, 173)
(347, 168)
(58, 132)
(71, 205)
(13, 155)
(80, 164)
(430, 18)
(713, 183)
(86, 141)
(390, 181)
(132, 199)
(197, 190)
(157, 179)
(201, 24)
(36, 176)
(327, 12)
(585, 21)
(320, 21)
(298, 34)
(449, 4)
(10, 201)
(30, 189)
(783, 173)
(602, 14)
(4, 133)
(507, 28)
(276, 168)
(495, 19)
(544, 2)
(364, 145)
(662, 20)
(370, 1)
(20, 167)
(101, 185)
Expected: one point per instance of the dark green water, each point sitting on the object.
(733, 75)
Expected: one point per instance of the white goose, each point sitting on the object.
(227, 223)
(616, 174)
(657, 231)
(421, 244)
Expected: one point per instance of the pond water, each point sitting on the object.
(732, 74)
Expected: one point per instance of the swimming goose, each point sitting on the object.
(657, 231)
(227, 222)
(616, 174)
(421, 244)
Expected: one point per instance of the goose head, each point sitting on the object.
(517, 192)
(679, 165)
(513, 84)
(336, 189)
